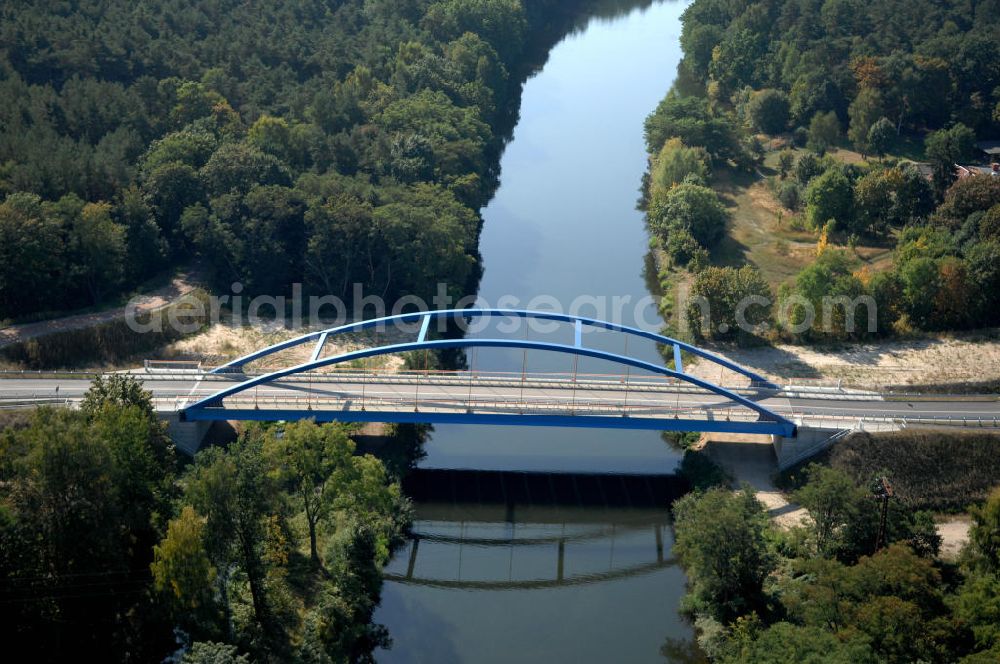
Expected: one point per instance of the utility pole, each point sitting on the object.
(883, 492)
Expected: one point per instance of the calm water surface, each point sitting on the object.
(556, 584)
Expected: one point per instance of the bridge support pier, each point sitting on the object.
(187, 436)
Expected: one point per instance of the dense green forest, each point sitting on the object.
(328, 142)
(877, 76)
(272, 547)
(839, 588)
(325, 142)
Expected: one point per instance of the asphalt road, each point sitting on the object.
(649, 398)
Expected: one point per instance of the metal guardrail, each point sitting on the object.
(167, 365)
(33, 402)
(440, 378)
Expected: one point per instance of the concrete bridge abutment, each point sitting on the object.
(807, 443)
(187, 436)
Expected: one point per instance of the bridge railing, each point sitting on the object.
(475, 404)
(585, 407)
(338, 373)
(813, 386)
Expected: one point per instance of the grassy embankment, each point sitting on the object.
(930, 470)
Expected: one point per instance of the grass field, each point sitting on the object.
(763, 233)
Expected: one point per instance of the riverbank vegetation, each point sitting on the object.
(845, 586)
(768, 101)
(270, 549)
(932, 470)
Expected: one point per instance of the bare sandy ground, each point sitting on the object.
(750, 459)
(959, 358)
(954, 532)
(221, 343)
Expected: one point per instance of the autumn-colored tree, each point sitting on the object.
(181, 568)
(868, 73)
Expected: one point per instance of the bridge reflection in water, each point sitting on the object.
(556, 541)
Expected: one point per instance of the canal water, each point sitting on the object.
(557, 583)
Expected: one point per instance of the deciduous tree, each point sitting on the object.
(181, 567)
(768, 111)
(880, 136)
(830, 196)
(864, 111)
(833, 501)
(944, 149)
(675, 162)
(314, 462)
(721, 542)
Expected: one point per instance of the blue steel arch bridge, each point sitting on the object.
(664, 398)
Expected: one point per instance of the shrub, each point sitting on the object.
(701, 472)
(681, 246)
(800, 136)
(790, 195)
(716, 297)
(807, 167)
(786, 160)
(690, 207)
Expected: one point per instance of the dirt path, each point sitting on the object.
(179, 285)
(750, 459)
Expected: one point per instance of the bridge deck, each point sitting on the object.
(609, 401)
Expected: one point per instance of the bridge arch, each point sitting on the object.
(423, 343)
(426, 317)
